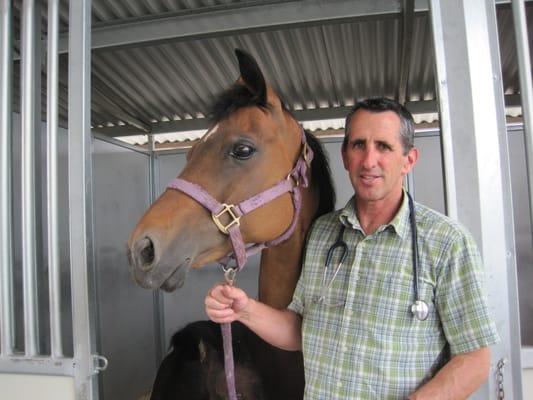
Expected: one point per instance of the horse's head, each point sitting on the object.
(252, 144)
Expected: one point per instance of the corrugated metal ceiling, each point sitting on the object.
(319, 69)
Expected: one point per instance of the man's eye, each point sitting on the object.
(242, 151)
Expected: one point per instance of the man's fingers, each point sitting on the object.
(213, 303)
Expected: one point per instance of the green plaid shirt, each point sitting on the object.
(362, 341)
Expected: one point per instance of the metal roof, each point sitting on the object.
(157, 64)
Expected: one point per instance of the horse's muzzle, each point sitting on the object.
(150, 271)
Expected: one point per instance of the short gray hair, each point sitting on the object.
(382, 104)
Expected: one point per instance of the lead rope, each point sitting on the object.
(229, 367)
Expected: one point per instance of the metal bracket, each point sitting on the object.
(99, 363)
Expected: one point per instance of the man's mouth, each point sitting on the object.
(369, 178)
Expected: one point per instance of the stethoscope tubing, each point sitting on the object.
(419, 308)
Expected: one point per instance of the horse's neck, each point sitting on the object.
(281, 265)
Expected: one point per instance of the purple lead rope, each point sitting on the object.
(229, 367)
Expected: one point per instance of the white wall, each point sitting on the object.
(32, 387)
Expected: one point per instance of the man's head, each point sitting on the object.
(382, 104)
(378, 151)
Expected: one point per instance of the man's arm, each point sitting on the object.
(280, 328)
(459, 378)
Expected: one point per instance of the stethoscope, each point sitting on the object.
(419, 308)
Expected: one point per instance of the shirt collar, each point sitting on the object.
(399, 224)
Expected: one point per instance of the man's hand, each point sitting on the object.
(225, 303)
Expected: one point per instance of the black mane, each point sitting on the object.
(321, 176)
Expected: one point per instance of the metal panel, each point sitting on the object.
(470, 76)
(125, 311)
(523, 232)
(526, 89)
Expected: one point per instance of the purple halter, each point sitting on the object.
(297, 177)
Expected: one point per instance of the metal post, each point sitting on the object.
(54, 279)
(7, 327)
(159, 321)
(471, 93)
(30, 119)
(80, 199)
(526, 90)
(448, 167)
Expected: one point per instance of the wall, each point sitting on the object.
(126, 327)
(32, 387)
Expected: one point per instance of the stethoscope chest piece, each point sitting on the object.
(420, 310)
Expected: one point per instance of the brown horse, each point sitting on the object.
(253, 144)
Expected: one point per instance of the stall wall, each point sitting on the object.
(524, 241)
(42, 387)
(126, 315)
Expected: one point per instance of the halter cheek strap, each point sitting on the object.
(233, 212)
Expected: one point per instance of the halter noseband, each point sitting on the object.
(296, 178)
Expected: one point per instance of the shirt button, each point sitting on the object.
(344, 348)
(339, 384)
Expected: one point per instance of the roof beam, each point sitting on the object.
(203, 123)
(415, 107)
(232, 19)
(408, 15)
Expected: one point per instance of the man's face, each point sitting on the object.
(374, 156)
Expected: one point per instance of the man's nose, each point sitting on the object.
(369, 158)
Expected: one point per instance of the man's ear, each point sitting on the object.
(411, 159)
(344, 157)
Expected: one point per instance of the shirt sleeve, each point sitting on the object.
(297, 303)
(460, 297)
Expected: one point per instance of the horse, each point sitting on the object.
(194, 369)
(253, 144)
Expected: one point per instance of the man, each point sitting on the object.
(353, 321)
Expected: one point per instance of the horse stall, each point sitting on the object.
(101, 100)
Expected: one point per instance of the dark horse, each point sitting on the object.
(253, 143)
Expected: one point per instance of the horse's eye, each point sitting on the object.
(242, 151)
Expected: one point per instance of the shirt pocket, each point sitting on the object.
(386, 299)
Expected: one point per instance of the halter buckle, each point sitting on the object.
(232, 214)
(305, 155)
(294, 179)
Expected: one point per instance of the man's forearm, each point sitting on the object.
(280, 328)
(458, 379)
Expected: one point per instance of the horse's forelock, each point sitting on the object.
(236, 97)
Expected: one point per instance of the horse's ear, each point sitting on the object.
(251, 75)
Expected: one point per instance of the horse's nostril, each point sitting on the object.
(146, 253)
